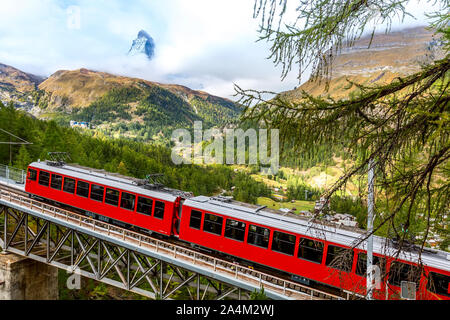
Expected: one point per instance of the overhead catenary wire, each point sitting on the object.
(23, 141)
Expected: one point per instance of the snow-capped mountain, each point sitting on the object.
(143, 44)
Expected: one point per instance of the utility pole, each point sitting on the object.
(370, 207)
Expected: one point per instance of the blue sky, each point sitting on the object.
(203, 44)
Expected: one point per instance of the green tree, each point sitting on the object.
(122, 169)
(23, 158)
(258, 294)
(403, 125)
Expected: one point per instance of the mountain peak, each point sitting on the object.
(143, 33)
(16, 80)
(143, 44)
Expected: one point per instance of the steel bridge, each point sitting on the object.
(155, 268)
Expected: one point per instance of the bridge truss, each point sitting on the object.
(101, 260)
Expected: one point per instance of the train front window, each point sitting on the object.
(258, 236)
(212, 224)
(310, 250)
(439, 284)
(69, 185)
(127, 201)
(82, 189)
(196, 219)
(283, 242)
(44, 178)
(235, 230)
(112, 197)
(144, 206)
(361, 265)
(32, 174)
(339, 258)
(97, 192)
(56, 181)
(399, 272)
(159, 210)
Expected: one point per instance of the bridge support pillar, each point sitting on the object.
(25, 279)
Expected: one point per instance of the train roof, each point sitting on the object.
(347, 236)
(109, 179)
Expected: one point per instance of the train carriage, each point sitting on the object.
(307, 251)
(104, 196)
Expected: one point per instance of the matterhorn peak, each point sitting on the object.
(143, 44)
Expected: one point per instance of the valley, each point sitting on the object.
(141, 111)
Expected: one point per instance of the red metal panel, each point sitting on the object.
(422, 292)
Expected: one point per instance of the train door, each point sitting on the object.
(177, 216)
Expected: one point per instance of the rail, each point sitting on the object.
(282, 287)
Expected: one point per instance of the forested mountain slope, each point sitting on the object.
(117, 105)
(116, 155)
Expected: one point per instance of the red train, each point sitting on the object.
(307, 252)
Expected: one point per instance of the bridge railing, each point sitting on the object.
(268, 282)
(10, 173)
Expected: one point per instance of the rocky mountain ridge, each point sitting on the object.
(17, 85)
(134, 107)
(79, 88)
(397, 53)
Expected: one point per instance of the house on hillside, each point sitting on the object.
(321, 204)
(80, 124)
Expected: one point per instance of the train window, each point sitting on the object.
(258, 236)
(145, 206)
(159, 210)
(235, 230)
(127, 201)
(310, 250)
(69, 185)
(339, 258)
(56, 181)
(97, 192)
(196, 219)
(44, 178)
(112, 197)
(439, 284)
(32, 174)
(361, 264)
(399, 272)
(212, 223)
(283, 242)
(82, 189)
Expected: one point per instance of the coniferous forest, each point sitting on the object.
(127, 157)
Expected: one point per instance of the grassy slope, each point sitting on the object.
(299, 205)
(91, 95)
